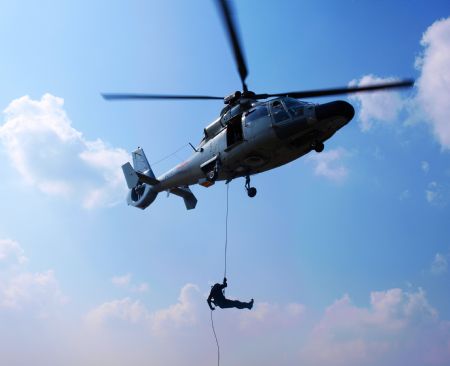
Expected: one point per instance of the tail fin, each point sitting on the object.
(140, 163)
(141, 172)
(140, 180)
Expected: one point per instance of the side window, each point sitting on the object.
(256, 113)
(279, 114)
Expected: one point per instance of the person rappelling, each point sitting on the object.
(217, 297)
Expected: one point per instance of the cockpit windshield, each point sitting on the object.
(295, 106)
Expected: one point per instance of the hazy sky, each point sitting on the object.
(345, 252)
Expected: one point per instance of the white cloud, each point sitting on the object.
(125, 282)
(399, 327)
(439, 265)
(436, 194)
(25, 289)
(189, 313)
(432, 90)
(380, 106)
(36, 292)
(52, 156)
(433, 86)
(396, 327)
(121, 281)
(425, 166)
(183, 313)
(125, 309)
(141, 288)
(431, 193)
(329, 164)
(266, 316)
(10, 248)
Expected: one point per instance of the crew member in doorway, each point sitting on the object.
(218, 299)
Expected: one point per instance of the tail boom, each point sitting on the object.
(144, 187)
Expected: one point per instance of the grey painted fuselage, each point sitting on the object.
(265, 144)
(248, 140)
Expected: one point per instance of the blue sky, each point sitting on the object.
(345, 252)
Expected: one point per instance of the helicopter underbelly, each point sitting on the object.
(254, 164)
(267, 152)
(258, 153)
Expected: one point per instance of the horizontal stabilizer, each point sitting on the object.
(133, 177)
(184, 192)
(146, 179)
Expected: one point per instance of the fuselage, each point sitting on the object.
(257, 138)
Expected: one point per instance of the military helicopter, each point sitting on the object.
(252, 134)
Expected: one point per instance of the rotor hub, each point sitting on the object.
(232, 98)
(239, 97)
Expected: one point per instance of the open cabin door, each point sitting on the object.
(235, 134)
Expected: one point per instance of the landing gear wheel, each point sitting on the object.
(319, 146)
(251, 191)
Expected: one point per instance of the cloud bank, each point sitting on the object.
(397, 327)
(431, 93)
(36, 293)
(58, 160)
(439, 265)
(433, 85)
(382, 106)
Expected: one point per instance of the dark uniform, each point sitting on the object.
(218, 299)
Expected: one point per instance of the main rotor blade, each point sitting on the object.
(115, 96)
(230, 25)
(343, 90)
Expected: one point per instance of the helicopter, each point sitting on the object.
(252, 134)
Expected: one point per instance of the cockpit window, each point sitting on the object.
(256, 113)
(294, 106)
(279, 114)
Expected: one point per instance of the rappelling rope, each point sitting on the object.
(226, 235)
(224, 275)
(217, 342)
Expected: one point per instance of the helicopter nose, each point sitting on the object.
(334, 109)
